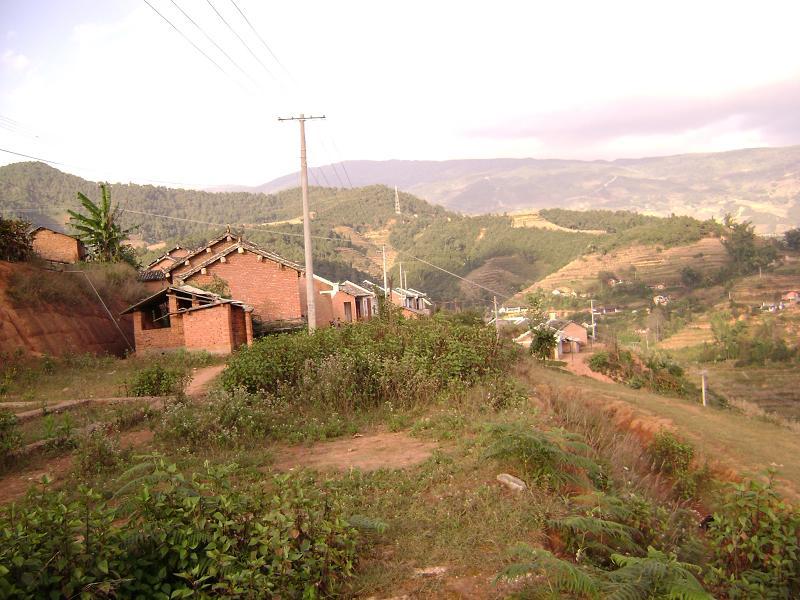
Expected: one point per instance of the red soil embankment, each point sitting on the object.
(40, 327)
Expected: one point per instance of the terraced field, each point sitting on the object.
(651, 266)
(695, 333)
(534, 219)
(767, 288)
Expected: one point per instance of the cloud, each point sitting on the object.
(15, 60)
(770, 109)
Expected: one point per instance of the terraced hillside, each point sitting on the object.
(534, 219)
(651, 264)
(768, 287)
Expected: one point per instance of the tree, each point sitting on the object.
(745, 251)
(536, 306)
(100, 231)
(543, 340)
(691, 277)
(792, 238)
(15, 240)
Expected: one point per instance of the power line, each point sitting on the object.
(285, 70)
(240, 39)
(184, 36)
(44, 160)
(210, 39)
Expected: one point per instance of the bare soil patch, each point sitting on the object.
(367, 453)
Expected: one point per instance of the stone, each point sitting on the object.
(515, 484)
(430, 572)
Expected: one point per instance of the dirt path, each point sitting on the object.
(14, 486)
(368, 453)
(202, 380)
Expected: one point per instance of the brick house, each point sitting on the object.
(412, 303)
(183, 316)
(338, 302)
(57, 247)
(570, 337)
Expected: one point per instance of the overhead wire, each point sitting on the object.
(216, 45)
(233, 31)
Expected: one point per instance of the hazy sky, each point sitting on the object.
(110, 90)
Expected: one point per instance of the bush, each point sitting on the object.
(599, 362)
(362, 365)
(99, 452)
(754, 538)
(10, 437)
(158, 381)
(181, 537)
(16, 242)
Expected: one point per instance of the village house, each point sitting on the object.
(56, 246)
(412, 303)
(570, 337)
(236, 268)
(791, 297)
(338, 303)
(183, 316)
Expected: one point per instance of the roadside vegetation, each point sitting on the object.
(209, 513)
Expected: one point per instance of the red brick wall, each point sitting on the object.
(268, 287)
(209, 329)
(51, 245)
(154, 340)
(238, 327)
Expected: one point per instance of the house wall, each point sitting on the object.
(51, 245)
(323, 305)
(270, 288)
(239, 327)
(577, 332)
(154, 340)
(210, 329)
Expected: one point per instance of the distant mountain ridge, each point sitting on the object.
(760, 184)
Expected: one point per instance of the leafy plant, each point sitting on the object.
(10, 436)
(99, 228)
(99, 452)
(755, 540)
(551, 458)
(157, 380)
(16, 243)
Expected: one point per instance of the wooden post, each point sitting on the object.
(704, 385)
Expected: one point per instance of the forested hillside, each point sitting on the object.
(760, 184)
(351, 227)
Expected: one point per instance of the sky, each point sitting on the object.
(111, 91)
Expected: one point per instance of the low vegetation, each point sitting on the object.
(602, 516)
(656, 371)
(15, 240)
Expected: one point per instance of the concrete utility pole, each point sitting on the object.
(704, 385)
(310, 298)
(496, 317)
(385, 280)
(591, 309)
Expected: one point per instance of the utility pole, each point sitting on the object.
(385, 280)
(591, 309)
(496, 319)
(704, 385)
(396, 201)
(310, 298)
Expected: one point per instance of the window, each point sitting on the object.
(156, 316)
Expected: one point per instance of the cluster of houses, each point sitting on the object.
(790, 298)
(215, 297)
(219, 296)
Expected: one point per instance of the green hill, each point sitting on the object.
(487, 249)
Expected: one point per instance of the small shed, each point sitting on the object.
(183, 316)
(56, 246)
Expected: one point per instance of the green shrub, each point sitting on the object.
(755, 540)
(362, 365)
(157, 381)
(669, 454)
(180, 537)
(99, 452)
(550, 458)
(10, 437)
(600, 362)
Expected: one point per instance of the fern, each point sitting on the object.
(560, 574)
(656, 575)
(581, 528)
(546, 456)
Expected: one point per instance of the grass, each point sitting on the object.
(729, 439)
(51, 380)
